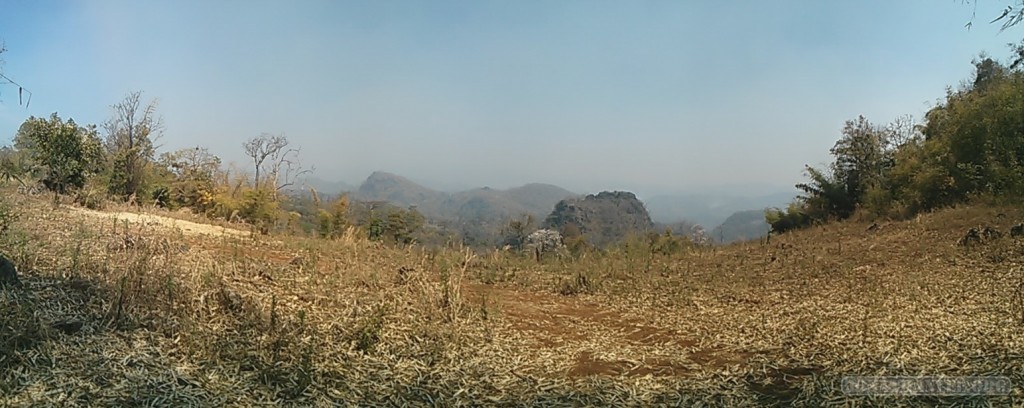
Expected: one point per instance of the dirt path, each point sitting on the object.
(188, 227)
(597, 340)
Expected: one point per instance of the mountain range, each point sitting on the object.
(477, 204)
(728, 217)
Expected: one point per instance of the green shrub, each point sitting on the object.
(794, 217)
(259, 208)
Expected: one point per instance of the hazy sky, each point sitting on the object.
(648, 96)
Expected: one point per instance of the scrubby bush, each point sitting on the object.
(794, 217)
(92, 196)
(259, 208)
(667, 243)
(333, 223)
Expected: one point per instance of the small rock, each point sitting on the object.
(990, 233)
(68, 326)
(1017, 230)
(973, 236)
(8, 273)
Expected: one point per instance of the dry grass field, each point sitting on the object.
(139, 311)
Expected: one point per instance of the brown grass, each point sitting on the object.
(249, 321)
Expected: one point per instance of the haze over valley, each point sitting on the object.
(524, 203)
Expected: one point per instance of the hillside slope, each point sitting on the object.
(741, 226)
(398, 190)
(243, 321)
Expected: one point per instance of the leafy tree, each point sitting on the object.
(63, 153)
(131, 133)
(794, 217)
(191, 173)
(976, 137)
(860, 161)
(333, 222)
(574, 239)
(514, 233)
(827, 195)
(1018, 57)
(859, 177)
(259, 209)
(391, 224)
(402, 225)
(376, 228)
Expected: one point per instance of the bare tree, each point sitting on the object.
(131, 133)
(275, 164)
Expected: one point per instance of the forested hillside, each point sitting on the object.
(969, 147)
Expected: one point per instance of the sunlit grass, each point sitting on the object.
(172, 318)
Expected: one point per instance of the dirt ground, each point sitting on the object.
(579, 329)
(188, 227)
(572, 326)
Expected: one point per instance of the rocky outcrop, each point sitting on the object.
(543, 241)
(603, 219)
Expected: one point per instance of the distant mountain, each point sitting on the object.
(711, 208)
(398, 190)
(603, 219)
(481, 204)
(741, 226)
(538, 198)
(325, 187)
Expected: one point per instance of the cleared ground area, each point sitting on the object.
(162, 312)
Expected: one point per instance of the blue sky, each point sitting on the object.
(647, 96)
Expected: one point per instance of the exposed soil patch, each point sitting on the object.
(187, 227)
(781, 385)
(558, 315)
(552, 321)
(654, 335)
(589, 365)
(716, 357)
